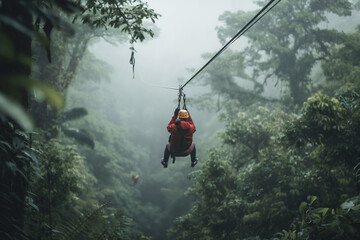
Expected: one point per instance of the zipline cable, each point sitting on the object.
(253, 21)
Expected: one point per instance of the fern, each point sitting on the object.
(80, 229)
(357, 171)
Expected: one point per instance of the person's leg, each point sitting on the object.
(194, 159)
(165, 160)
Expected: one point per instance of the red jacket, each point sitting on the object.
(184, 130)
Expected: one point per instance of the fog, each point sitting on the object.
(143, 108)
(186, 31)
(83, 133)
(142, 104)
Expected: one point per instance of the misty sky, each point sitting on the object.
(187, 30)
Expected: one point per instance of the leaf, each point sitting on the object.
(30, 202)
(347, 205)
(6, 144)
(15, 112)
(356, 166)
(16, 25)
(80, 135)
(17, 143)
(79, 228)
(351, 203)
(72, 114)
(323, 211)
(14, 169)
(51, 95)
(312, 199)
(356, 208)
(31, 156)
(302, 209)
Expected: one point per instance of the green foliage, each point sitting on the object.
(81, 229)
(112, 164)
(325, 223)
(74, 113)
(242, 186)
(340, 223)
(126, 15)
(58, 193)
(61, 177)
(13, 83)
(101, 223)
(249, 131)
(283, 47)
(320, 121)
(92, 69)
(268, 163)
(343, 68)
(15, 112)
(17, 31)
(331, 125)
(17, 161)
(116, 14)
(229, 83)
(214, 215)
(81, 135)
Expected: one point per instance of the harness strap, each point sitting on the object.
(179, 98)
(184, 105)
(181, 144)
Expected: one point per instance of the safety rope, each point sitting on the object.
(270, 5)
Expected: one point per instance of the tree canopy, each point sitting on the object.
(282, 47)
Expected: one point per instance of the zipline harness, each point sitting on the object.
(132, 59)
(181, 94)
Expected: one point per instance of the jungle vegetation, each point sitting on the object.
(285, 164)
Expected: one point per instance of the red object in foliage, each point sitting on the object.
(135, 178)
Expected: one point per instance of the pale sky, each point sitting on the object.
(187, 30)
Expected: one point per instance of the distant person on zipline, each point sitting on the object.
(181, 127)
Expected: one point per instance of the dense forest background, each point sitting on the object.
(277, 117)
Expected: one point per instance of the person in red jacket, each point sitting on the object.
(181, 127)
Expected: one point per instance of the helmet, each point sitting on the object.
(183, 114)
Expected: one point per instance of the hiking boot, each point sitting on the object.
(165, 164)
(194, 162)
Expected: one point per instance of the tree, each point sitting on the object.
(285, 44)
(343, 68)
(60, 178)
(17, 30)
(248, 172)
(60, 70)
(270, 161)
(273, 161)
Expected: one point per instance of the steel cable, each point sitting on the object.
(268, 7)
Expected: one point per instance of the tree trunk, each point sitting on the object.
(14, 185)
(58, 74)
